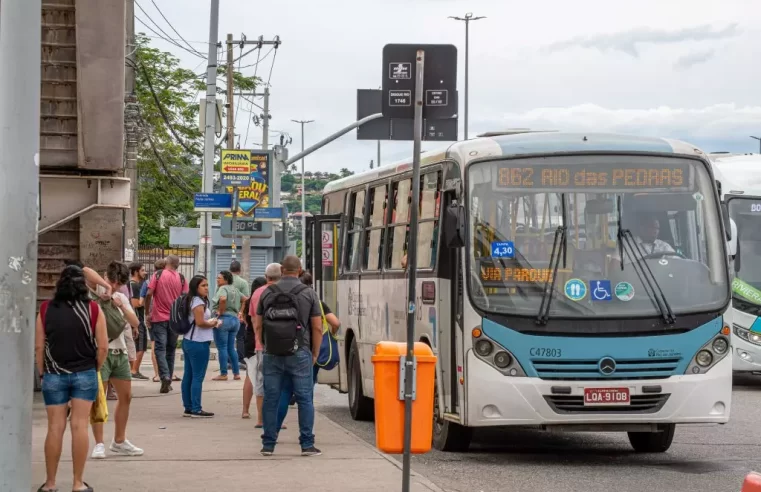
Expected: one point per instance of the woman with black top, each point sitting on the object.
(249, 351)
(71, 345)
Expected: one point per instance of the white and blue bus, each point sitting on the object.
(566, 282)
(739, 182)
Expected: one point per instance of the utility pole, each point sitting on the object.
(468, 17)
(131, 114)
(231, 138)
(379, 161)
(204, 232)
(759, 142)
(303, 197)
(20, 201)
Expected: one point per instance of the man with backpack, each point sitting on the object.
(165, 286)
(289, 322)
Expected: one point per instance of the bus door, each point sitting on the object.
(325, 256)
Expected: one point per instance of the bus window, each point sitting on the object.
(397, 238)
(427, 240)
(375, 228)
(356, 224)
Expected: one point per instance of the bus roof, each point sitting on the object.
(738, 173)
(524, 143)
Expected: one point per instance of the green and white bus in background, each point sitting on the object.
(565, 281)
(739, 182)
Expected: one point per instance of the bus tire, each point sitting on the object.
(361, 407)
(653, 442)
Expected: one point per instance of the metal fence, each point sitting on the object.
(148, 255)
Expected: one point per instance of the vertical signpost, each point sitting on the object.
(422, 95)
(236, 172)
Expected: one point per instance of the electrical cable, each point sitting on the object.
(171, 26)
(167, 39)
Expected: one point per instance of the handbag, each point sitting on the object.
(329, 353)
(99, 410)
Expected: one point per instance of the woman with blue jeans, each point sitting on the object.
(71, 344)
(226, 304)
(196, 346)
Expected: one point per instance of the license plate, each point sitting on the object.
(606, 396)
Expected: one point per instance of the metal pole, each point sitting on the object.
(231, 138)
(467, 40)
(204, 231)
(409, 362)
(379, 161)
(19, 172)
(325, 141)
(303, 194)
(759, 142)
(246, 245)
(131, 113)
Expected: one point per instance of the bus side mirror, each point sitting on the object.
(454, 226)
(725, 217)
(732, 243)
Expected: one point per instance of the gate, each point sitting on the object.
(148, 255)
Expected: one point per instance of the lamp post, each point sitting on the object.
(303, 197)
(759, 142)
(468, 17)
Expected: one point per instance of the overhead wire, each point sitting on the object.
(167, 38)
(172, 27)
(251, 107)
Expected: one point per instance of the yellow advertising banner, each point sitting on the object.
(236, 167)
(257, 193)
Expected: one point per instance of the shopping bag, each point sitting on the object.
(99, 411)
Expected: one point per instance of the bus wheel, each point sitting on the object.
(653, 442)
(360, 406)
(448, 436)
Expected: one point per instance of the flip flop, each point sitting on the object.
(43, 489)
(88, 489)
(246, 416)
(156, 379)
(175, 378)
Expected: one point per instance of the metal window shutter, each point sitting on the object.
(257, 265)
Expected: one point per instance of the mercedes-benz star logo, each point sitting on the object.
(606, 366)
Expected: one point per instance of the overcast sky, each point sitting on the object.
(686, 69)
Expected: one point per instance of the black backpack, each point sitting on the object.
(283, 330)
(179, 318)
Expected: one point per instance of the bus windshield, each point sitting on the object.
(583, 207)
(746, 287)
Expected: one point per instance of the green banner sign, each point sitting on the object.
(747, 291)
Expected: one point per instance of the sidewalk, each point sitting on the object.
(221, 453)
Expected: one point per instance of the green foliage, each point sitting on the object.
(170, 156)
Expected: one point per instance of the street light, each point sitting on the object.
(468, 17)
(759, 142)
(303, 197)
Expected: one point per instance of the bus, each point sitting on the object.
(739, 182)
(565, 281)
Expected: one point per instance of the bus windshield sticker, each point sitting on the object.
(575, 289)
(551, 176)
(601, 290)
(503, 249)
(624, 291)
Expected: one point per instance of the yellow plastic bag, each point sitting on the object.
(99, 411)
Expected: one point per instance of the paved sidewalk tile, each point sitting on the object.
(221, 453)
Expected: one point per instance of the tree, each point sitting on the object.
(345, 172)
(170, 161)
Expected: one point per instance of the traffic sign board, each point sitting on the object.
(370, 101)
(439, 79)
(212, 202)
(268, 214)
(400, 98)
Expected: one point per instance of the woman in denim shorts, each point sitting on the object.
(70, 346)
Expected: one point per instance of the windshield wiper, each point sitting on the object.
(644, 273)
(558, 246)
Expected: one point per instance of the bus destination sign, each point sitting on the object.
(595, 176)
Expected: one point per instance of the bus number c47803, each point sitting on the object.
(545, 352)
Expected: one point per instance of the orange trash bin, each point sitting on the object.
(389, 408)
(752, 483)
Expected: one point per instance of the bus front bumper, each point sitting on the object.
(497, 400)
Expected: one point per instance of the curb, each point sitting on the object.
(413, 474)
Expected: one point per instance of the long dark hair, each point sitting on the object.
(193, 292)
(258, 282)
(71, 286)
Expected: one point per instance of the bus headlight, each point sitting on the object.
(720, 345)
(502, 359)
(704, 358)
(484, 347)
(747, 335)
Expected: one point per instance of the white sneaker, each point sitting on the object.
(125, 448)
(99, 452)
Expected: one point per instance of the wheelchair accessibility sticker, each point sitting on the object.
(575, 289)
(601, 290)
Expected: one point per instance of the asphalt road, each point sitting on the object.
(702, 458)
